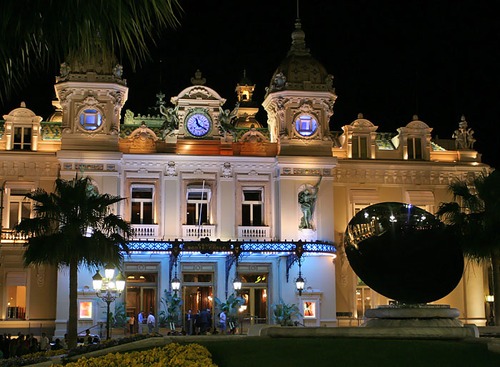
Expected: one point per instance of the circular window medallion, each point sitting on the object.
(90, 119)
(306, 125)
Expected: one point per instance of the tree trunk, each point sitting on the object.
(73, 305)
(495, 260)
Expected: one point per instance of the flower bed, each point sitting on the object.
(39, 357)
(171, 355)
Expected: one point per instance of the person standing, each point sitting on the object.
(131, 322)
(140, 322)
(189, 322)
(203, 322)
(209, 320)
(222, 322)
(151, 322)
(44, 343)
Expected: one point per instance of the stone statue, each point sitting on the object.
(171, 122)
(226, 119)
(118, 71)
(307, 200)
(64, 71)
(279, 81)
(463, 136)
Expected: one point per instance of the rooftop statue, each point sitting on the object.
(226, 119)
(463, 136)
(171, 122)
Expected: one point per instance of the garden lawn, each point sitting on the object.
(319, 352)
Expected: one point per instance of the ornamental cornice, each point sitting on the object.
(391, 176)
(29, 168)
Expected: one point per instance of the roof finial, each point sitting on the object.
(298, 16)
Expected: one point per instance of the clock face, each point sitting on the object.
(198, 124)
(306, 125)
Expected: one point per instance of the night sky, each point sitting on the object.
(390, 60)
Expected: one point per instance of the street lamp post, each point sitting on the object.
(108, 289)
(299, 282)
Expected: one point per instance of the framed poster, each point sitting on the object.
(309, 308)
(85, 310)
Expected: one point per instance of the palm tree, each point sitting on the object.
(36, 35)
(73, 226)
(476, 220)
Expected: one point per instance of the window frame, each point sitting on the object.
(414, 148)
(22, 145)
(359, 146)
(206, 198)
(142, 201)
(252, 204)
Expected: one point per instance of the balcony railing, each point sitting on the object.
(11, 235)
(190, 232)
(254, 233)
(145, 231)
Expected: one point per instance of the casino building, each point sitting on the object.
(213, 194)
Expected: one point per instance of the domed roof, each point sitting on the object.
(57, 115)
(299, 70)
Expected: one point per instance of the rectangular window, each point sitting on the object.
(22, 138)
(142, 205)
(19, 207)
(252, 207)
(414, 148)
(359, 147)
(198, 205)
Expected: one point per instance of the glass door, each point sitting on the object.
(197, 296)
(141, 295)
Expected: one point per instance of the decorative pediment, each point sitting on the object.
(361, 122)
(22, 115)
(416, 124)
(197, 92)
(141, 140)
(253, 136)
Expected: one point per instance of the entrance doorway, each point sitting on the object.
(254, 291)
(254, 311)
(363, 300)
(141, 294)
(197, 295)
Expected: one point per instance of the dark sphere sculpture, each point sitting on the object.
(403, 252)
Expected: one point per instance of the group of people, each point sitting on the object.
(16, 346)
(150, 321)
(201, 322)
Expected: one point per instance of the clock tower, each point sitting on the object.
(198, 109)
(299, 102)
(203, 124)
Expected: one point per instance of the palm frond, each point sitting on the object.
(56, 30)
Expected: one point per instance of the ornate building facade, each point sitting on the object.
(213, 195)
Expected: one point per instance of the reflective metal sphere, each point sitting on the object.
(403, 253)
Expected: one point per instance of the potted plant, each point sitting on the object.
(170, 316)
(285, 314)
